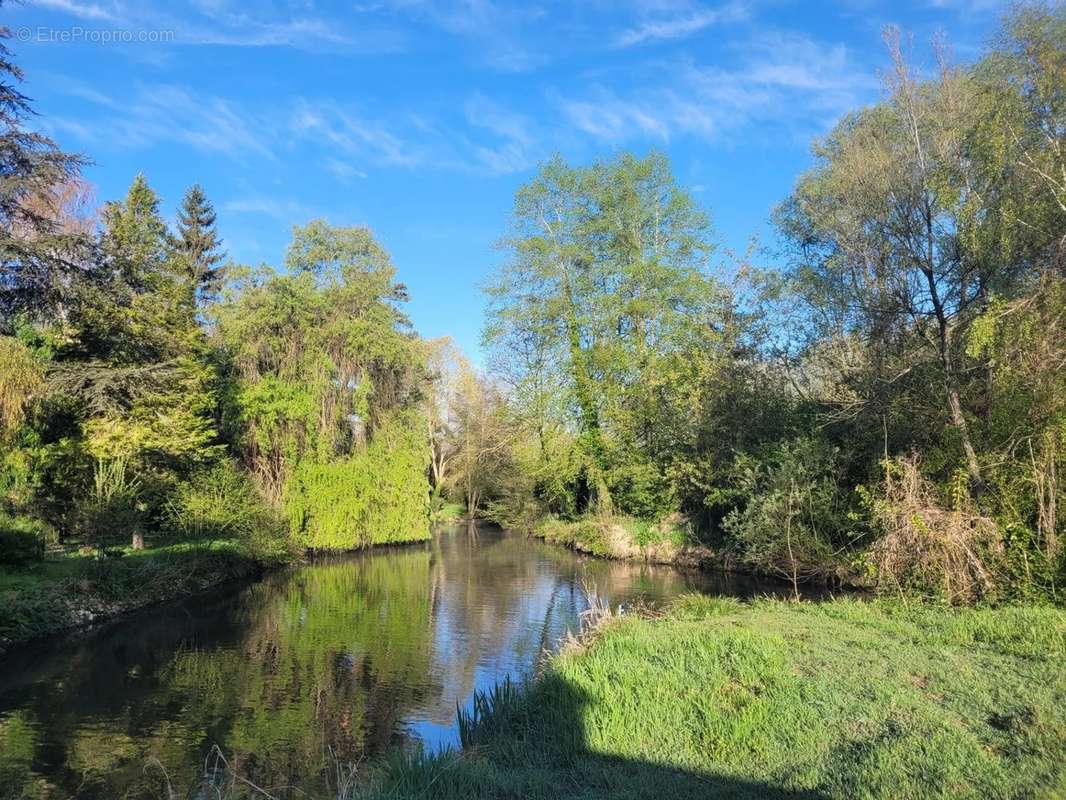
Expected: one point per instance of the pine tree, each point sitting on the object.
(136, 241)
(197, 240)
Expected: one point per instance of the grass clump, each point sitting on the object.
(774, 699)
(448, 512)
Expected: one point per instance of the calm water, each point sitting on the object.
(339, 660)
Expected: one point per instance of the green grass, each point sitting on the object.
(448, 513)
(718, 698)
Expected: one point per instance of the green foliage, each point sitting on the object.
(600, 302)
(640, 490)
(220, 502)
(374, 496)
(795, 515)
(22, 539)
(198, 244)
(919, 316)
(21, 380)
(318, 356)
(113, 510)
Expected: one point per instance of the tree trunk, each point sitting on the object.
(958, 419)
(793, 571)
(590, 419)
(138, 541)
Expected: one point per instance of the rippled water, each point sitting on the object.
(336, 661)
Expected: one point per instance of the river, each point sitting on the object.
(331, 663)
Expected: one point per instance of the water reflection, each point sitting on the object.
(341, 659)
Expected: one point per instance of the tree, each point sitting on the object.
(884, 233)
(479, 438)
(604, 288)
(138, 311)
(319, 356)
(40, 261)
(198, 243)
(444, 364)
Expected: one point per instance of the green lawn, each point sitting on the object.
(842, 699)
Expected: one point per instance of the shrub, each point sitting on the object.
(640, 490)
(796, 517)
(954, 554)
(112, 510)
(215, 503)
(221, 503)
(22, 539)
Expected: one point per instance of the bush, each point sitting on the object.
(220, 503)
(640, 490)
(112, 510)
(21, 539)
(796, 517)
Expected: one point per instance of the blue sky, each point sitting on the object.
(420, 118)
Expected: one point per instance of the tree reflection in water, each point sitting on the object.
(340, 659)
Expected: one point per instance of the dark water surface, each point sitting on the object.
(333, 662)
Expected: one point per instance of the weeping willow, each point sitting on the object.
(326, 381)
(379, 494)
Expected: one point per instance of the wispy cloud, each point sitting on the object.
(513, 146)
(342, 169)
(216, 22)
(502, 33)
(170, 113)
(333, 124)
(680, 24)
(793, 81)
(607, 117)
(89, 11)
(286, 211)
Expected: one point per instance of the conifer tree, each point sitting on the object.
(198, 242)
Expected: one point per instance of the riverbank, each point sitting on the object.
(626, 539)
(772, 699)
(76, 590)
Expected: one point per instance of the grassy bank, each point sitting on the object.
(70, 590)
(625, 538)
(449, 514)
(723, 699)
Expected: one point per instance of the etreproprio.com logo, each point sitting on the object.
(78, 34)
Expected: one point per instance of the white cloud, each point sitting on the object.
(286, 211)
(89, 11)
(679, 25)
(168, 112)
(342, 169)
(784, 82)
(333, 124)
(514, 146)
(215, 22)
(500, 31)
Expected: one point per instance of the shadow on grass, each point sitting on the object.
(534, 743)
